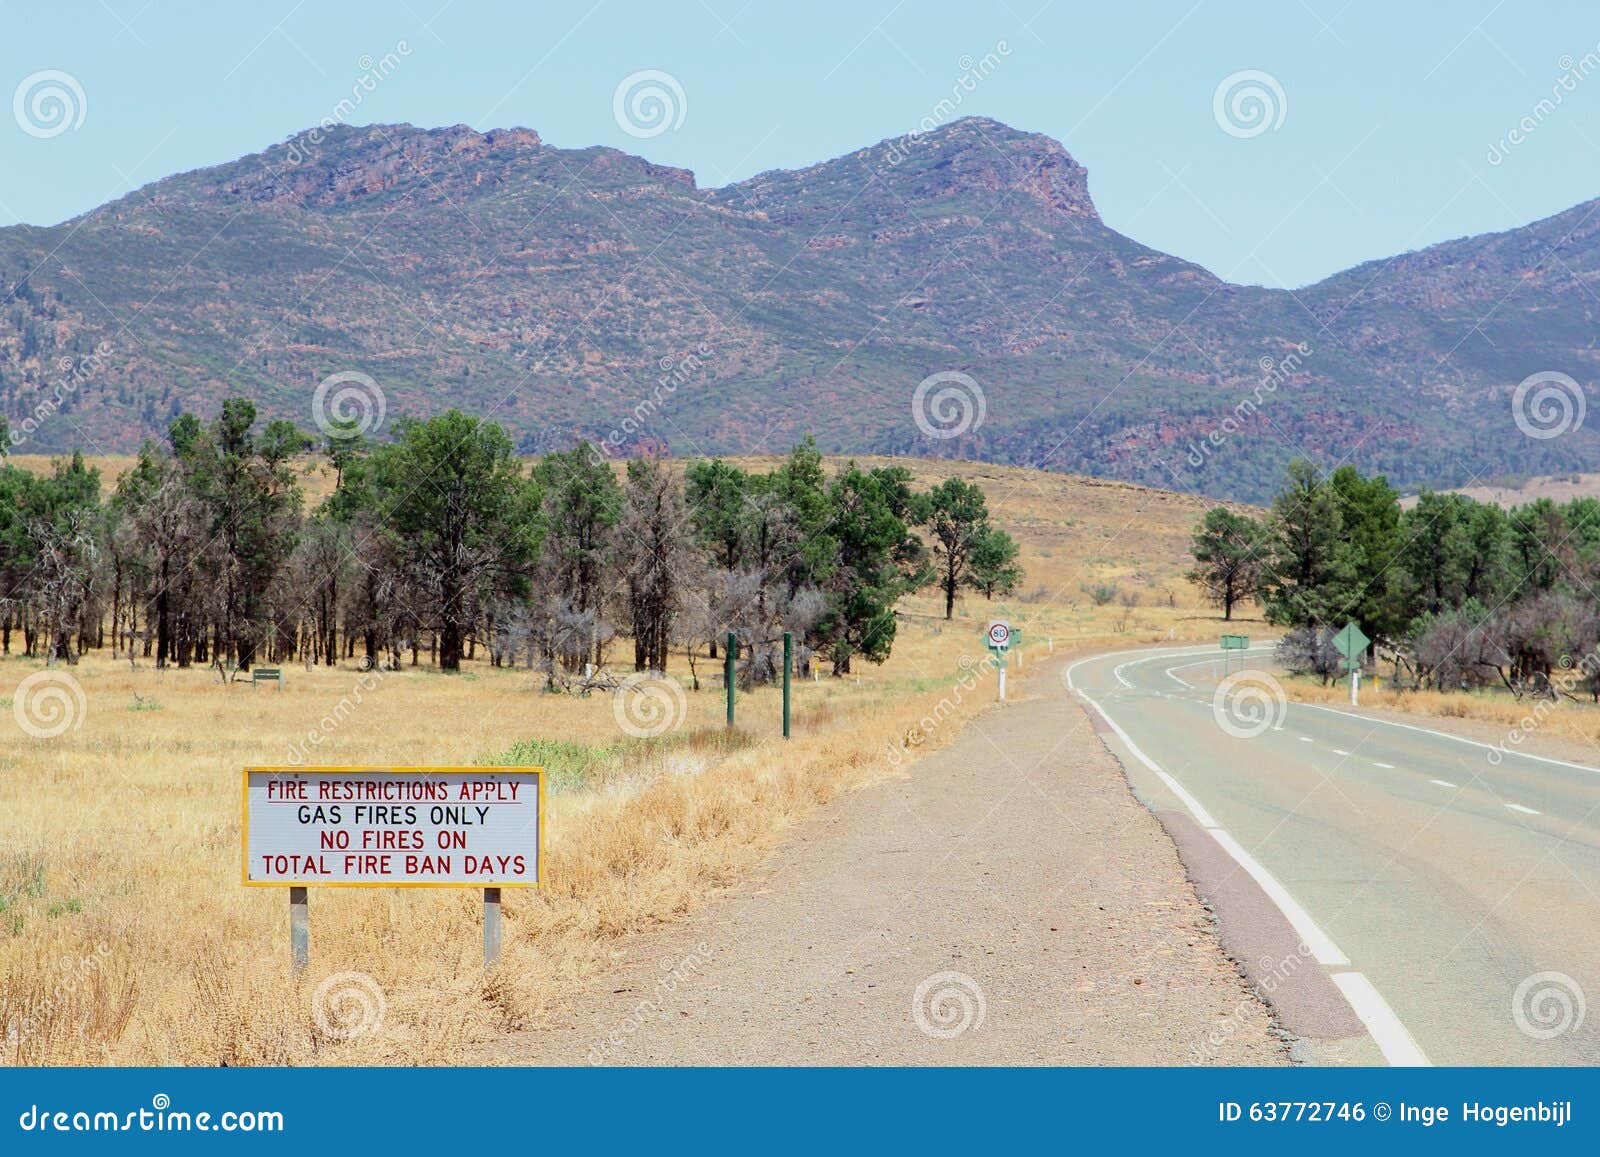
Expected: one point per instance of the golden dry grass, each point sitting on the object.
(126, 936)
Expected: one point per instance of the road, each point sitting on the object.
(1004, 901)
(1452, 902)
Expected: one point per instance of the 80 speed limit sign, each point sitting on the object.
(999, 635)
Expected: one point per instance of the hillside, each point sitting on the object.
(591, 294)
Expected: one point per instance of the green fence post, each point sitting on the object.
(788, 667)
(729, 670)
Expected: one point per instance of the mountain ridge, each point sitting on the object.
(559, 290)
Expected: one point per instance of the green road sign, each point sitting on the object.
(1352, 644)
(1235, 642)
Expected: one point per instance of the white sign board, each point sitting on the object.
(397, 827)
(1000, 634)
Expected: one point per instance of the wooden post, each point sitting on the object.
(730, 671)
(299, 930)
(491, 926)
(788, 667)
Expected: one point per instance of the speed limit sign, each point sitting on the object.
(999, 634)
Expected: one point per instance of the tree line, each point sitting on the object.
(442, 539)
(1457, 592)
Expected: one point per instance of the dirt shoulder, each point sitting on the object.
(1007, 901)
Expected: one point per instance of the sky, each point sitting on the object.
(1360, 129)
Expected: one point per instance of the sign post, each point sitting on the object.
(730, 670)
(1352, 644)
(997, 637)
(788, 670)
(1231, 643)
(418, 827)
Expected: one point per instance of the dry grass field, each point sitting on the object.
(126, 936)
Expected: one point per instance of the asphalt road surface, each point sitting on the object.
(1445, 895)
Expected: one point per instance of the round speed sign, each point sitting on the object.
(999, 635)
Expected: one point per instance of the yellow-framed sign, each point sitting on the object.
(393, 827)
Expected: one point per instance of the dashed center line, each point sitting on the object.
(1442, 782)
(1389, 766)
(1517, 807)
(1340, 751)
(1306, 739)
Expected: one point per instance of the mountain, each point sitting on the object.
(587, 293)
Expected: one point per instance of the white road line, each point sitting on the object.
(1169, 674)
(1517, 807)
(1442, 782)
(1314, 938)
(1389, 766)
(1307, 739)
(1446, 735)
(1387, 1031)
(1396, 1044)
(1340, 751)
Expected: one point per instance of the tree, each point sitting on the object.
(957, 517)
(1369, 511)
(652, 538)
(866, 581)
(1307, 570)
(992, 567)
(447, 493)
(581, 509)
(1226, 551)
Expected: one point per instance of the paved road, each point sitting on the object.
(1454, 902)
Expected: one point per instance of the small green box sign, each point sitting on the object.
(1235, 642)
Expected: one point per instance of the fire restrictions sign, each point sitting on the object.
(398, 827)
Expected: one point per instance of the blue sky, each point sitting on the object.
(1381, 140)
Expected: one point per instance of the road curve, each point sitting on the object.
(1449, 892)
